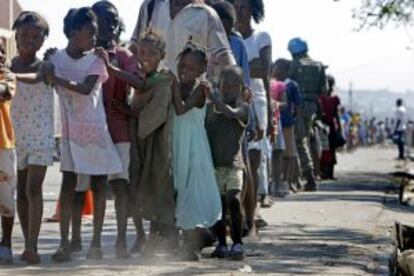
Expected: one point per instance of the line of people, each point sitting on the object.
(185, 125)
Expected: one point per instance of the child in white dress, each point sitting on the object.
(88, 154)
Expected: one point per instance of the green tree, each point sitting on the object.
(379, 13)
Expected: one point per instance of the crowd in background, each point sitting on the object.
(194, 126)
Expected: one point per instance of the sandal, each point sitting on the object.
(6, 256)
(62, 255)
(220, 252)
(236, 252)
(137, 248)
(94, 253)
(121, 252)
(30, 257)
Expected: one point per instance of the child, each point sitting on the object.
(32, 112)
(88, 154)
(198, 199)
(278, 95)
(226, 122)
(7, 159)
(288, 113)
(115, 92)
(227, 14)
(150, 166)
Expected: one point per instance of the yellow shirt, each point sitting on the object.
(6, 127)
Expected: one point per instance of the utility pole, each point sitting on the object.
(350, 95)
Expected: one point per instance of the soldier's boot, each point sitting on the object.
(310, 182)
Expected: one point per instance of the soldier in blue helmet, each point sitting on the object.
(311, 78)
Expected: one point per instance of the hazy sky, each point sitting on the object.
(370, 59)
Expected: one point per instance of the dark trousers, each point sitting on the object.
(400, 143)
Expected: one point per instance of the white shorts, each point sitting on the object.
(8, 181)
(34, 157)
(123, 150)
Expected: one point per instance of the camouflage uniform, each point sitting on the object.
(310, 76)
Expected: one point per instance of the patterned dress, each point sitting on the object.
(32, 113)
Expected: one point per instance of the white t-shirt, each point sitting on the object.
(198, 21)
(254, 44)
(401, 115)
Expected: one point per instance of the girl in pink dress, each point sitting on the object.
(88, 154)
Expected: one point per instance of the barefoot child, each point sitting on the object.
(115, 92)
(288, 114)
(7, 159)
(198, 199)
(88, 154)
(32, 112)
(226, 121)
(150, 122)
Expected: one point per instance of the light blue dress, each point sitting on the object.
(198, 197)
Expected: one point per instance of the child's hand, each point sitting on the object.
(259, 134)
(250, 135)
(48, 69)
(170, 74)
(247, 95)
(3, 177)
(103, 54)
(207, 89)
(49, 52)
(4, 96)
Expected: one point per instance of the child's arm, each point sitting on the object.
(241, 112)
(30, 78)
(197, 99)
(130, 78)
(7, 87)
(119, 107)
(83, 88)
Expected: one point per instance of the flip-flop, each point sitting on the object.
(94, 253)
(121, 252)
(30, 257)
(62, 255)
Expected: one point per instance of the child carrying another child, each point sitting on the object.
(32, 112)
(7, 159)
(226, 121)
(150, 168)
(198, 199)
(88, 154)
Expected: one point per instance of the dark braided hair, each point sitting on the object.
(75, 19)
(197, 50)
(32, 18)
(153, 38)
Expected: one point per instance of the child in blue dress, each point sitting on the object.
(198, 198)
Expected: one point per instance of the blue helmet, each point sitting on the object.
(297, 46)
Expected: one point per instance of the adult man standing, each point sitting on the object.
(311, 78)
(400, 128)
(177, 22)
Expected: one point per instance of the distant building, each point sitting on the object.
(9, 10)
